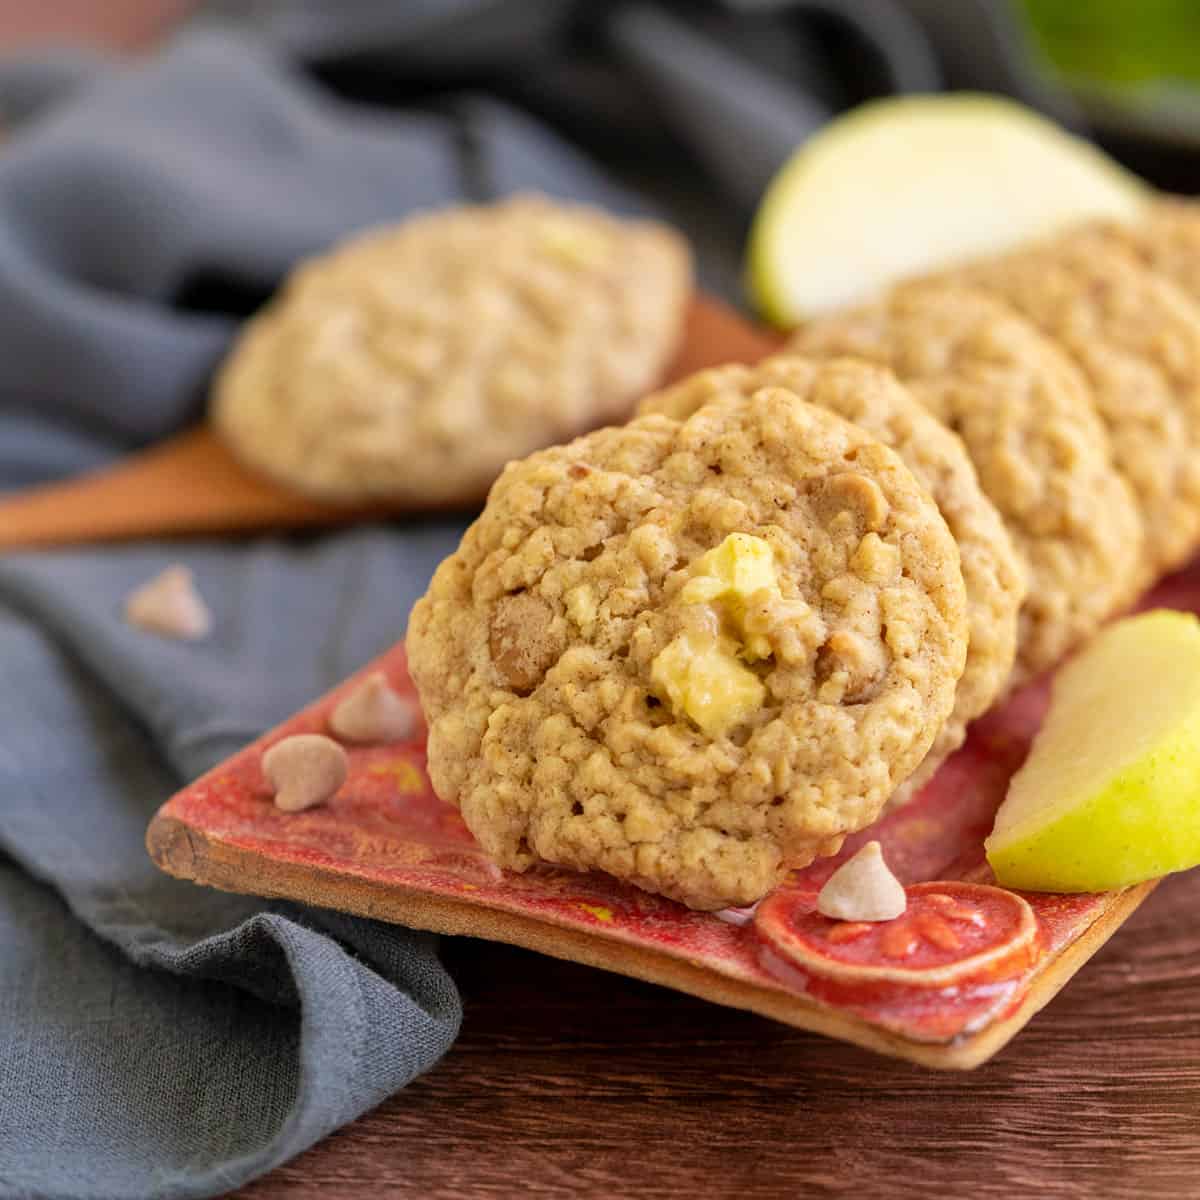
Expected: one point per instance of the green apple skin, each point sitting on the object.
(1137, 818)
(1115, 193)
(1145, 824)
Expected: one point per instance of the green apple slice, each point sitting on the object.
(904, 186)
(1110, 793)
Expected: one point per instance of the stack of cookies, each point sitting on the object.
(702, 648)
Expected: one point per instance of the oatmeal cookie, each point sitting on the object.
(691, 653)
(413, 362)
(1025, 415)
(1137, 338)
(1166, 240)
(994, 577)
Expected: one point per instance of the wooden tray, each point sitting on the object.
(385, 847)
(191, 484)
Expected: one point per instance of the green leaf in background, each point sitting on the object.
(1119, 42)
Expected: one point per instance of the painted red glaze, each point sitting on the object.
(953, 937)
(386, 826)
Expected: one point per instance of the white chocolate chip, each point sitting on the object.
(305, 770)
(373, 712)
(169, 605)
(863, 889)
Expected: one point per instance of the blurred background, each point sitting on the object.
(691, 104)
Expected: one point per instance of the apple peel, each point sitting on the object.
(965, 176)
(170, 606)
(1108, 795)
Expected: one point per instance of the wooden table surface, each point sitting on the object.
(570, 1082)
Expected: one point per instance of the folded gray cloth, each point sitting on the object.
(157, 1039)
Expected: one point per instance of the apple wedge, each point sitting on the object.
(1110, 793)
(904, 186)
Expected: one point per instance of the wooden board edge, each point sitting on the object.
(1054, 976)
(189, 853)
(212, 493)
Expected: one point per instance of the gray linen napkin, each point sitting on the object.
(157, 1038)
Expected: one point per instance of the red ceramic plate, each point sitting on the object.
(946, 985)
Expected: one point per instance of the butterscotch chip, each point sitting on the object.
(305, 770)
(414, 361)
(525, 640)
(849, 491)
(662, 557)
(1025, 415)
(170, 606)
(992, 573)
(374, 712)
(1136, 337)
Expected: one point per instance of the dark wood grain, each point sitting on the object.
(568, 1081)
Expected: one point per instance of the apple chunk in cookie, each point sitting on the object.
(880, 406)
(691, 653)
(704, 671)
